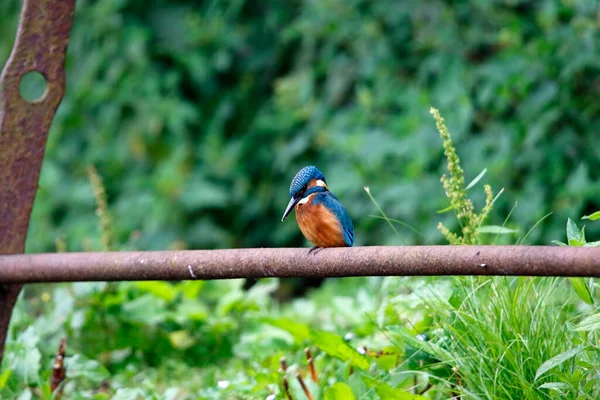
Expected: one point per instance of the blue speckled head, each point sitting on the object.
(302, 178)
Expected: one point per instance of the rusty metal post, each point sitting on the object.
(40, 45)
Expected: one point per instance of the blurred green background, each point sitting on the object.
(198, 114)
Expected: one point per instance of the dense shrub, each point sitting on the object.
(197, 115)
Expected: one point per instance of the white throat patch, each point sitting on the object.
(321, 183)
(305, 200)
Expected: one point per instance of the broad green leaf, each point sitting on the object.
(575, 236)
(4, 377)
(25, 360)
(299, 331)
(128, 394)
(477, 179)
(589, 324)
(335, 346)
(163, 290)
(592, 217)
(47, 391)
(560, 243)
(359, 389)
(339, 391)
(389, 360)
(181, 340)
(592, 244)
(582, 289)
(79, 366)
(147, 309)
(557, 360)
(190, 310)
(25, 395)
(496, 229)
(191, 289)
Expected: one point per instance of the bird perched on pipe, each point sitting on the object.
(320, 215)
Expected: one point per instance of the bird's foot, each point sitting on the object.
(315, 250)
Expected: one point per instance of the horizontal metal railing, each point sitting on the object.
(288, 262)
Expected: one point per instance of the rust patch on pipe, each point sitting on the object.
(41, 46)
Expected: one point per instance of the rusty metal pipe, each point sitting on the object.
(287, 262)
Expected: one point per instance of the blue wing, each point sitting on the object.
(332, 203)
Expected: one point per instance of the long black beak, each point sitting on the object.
(290, 206)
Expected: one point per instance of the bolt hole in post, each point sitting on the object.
(33, 86)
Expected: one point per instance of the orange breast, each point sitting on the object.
(319, 225)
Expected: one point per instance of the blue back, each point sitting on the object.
(335, 206)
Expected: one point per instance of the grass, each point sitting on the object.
(504, 329)
(503, 337)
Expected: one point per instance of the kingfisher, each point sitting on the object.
(320, 215)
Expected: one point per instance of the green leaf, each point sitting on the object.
(25, 359)
(575, 236)
(557, 360)
(46, 390)
(339, 391)
(496, 229)
(589, 324)
(560, 243)
(163, 290)
(582, 289)
(25, 395)
(592, 244)
(554, 385)
(443, 210)
(190, 310)
(477, 179)
(592, 217)
(147, 309)
(128, 394)
(389, 360)
(299, 331)
(79, 366)
(358, 386)
(4, 378)
(181, 340)
(191, 289)
(385, 391)
(261, 290)
(335, 346)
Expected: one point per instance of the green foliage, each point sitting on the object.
(196, 116)
(576, 238)
(210, 340)
(200, 115)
